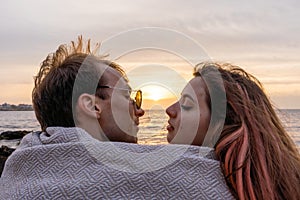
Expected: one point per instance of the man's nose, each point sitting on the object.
(139, 112)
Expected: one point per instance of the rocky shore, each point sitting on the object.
(11, 135)
(6, 151)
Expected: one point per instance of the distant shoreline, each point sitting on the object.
(29, 107)
(12, 107)
(15, 110)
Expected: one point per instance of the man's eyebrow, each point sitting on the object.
(127, 89)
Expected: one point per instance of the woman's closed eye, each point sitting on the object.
(186, 103)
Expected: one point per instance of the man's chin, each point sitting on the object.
(135, 140)
(131, 139)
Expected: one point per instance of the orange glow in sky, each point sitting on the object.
(239, 33)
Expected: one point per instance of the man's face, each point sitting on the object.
(119, 118)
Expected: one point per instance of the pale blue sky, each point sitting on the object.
(260, 36)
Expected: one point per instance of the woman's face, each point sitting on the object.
(190, 116)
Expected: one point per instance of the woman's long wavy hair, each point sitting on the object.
(258, 158)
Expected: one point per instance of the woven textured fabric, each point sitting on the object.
(67, 163)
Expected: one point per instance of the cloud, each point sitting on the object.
(262, 36)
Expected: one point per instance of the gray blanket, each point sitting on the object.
(67, 163)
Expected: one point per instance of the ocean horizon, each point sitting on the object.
(152, 129)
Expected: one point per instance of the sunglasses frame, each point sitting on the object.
(138, 96)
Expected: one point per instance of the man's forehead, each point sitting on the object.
(112, 72)
(115, 78)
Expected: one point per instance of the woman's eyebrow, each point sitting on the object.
(187, 96)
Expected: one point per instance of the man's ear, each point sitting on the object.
(87, 105)
(97, 108)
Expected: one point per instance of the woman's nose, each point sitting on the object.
(171, 110)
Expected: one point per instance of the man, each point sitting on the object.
(82, 102)
(59, 102)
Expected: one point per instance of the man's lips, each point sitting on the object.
(136, 121)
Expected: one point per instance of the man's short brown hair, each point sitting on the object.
(54, 95)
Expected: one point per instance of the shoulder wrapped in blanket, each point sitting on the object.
(67, 163)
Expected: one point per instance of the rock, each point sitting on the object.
(9, 135)
(4, 153)
(2, 163)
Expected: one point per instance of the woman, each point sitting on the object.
(226, 107)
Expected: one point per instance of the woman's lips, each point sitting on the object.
(171, 133)
(170, 127)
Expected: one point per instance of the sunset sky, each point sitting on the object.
(263, 37)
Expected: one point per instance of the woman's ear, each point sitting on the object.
(87, 105)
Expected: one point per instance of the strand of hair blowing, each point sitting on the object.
(258, 158)
(268, 187)
(237, 162)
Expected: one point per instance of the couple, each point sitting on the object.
(82, 100)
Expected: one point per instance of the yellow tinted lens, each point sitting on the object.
(138, 99)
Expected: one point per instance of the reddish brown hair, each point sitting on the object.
(258, 158)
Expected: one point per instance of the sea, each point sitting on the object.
(152, 128)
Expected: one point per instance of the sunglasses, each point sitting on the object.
(138, 96)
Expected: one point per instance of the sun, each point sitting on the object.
(154, 92)
(155, 96)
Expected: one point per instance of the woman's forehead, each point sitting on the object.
(196, 85)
